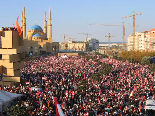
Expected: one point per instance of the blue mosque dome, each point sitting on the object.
(36, 27)
(36, 35)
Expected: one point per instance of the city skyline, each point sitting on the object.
(73, 17)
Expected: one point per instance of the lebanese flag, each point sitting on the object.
(44, 78)
(133, 91)
(73, 94)
(27, 83)
(86, 114)
(59, 111)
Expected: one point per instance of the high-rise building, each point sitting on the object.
(93, 43)
(144, 41)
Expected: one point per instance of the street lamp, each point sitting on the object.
(53, 51)
(31, 48)
(40, 48)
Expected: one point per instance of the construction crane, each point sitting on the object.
(123, 26)
(85, 34)
(71, 39)
(64, 38)
(109, 38)
(133, 26)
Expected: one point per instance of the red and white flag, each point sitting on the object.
(133, 91)
(44, 78)
(86, 114)
(27, 83)
(59, 111)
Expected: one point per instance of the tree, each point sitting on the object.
(106, 69)
(146, 60)
(152, 67)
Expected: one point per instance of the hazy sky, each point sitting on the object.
(74, 16)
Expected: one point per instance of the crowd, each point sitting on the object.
(122, 92)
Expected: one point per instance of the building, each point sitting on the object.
(13, 47)
(144, 41)
(115, 47)
(12, 55)
(37, 40)
(93, 43)
(139, 41)
(74, 46)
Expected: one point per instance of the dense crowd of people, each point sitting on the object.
(122, 92)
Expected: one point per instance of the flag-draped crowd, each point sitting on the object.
(121, 92)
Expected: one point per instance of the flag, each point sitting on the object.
(86, 114)
(18, 27)
(105, 99)
(63, 105)
(44, 78)
(66, 93)
(63, 77)
(133, 91)
(140, 107)
(59, 111)
(99, 101)
(73, 94)
(27, 83)
(100, 92)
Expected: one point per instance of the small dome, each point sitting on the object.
(36, 27)
(36, 35)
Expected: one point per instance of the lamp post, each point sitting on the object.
(40, 48)
(31, 48)
(53, 51)
(131, 52)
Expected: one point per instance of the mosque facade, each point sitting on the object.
(37, 40)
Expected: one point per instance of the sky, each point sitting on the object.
(72, 17)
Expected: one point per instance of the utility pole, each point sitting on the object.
(109, 38)
(133, 26)
(123, 36)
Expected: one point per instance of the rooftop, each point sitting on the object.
(152, 29)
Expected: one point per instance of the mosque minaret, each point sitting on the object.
(45, 26)
(49, 27)
(24, 24)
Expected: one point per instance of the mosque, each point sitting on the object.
(37, 41)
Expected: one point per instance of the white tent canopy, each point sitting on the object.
(6, 97)
(150, 104)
